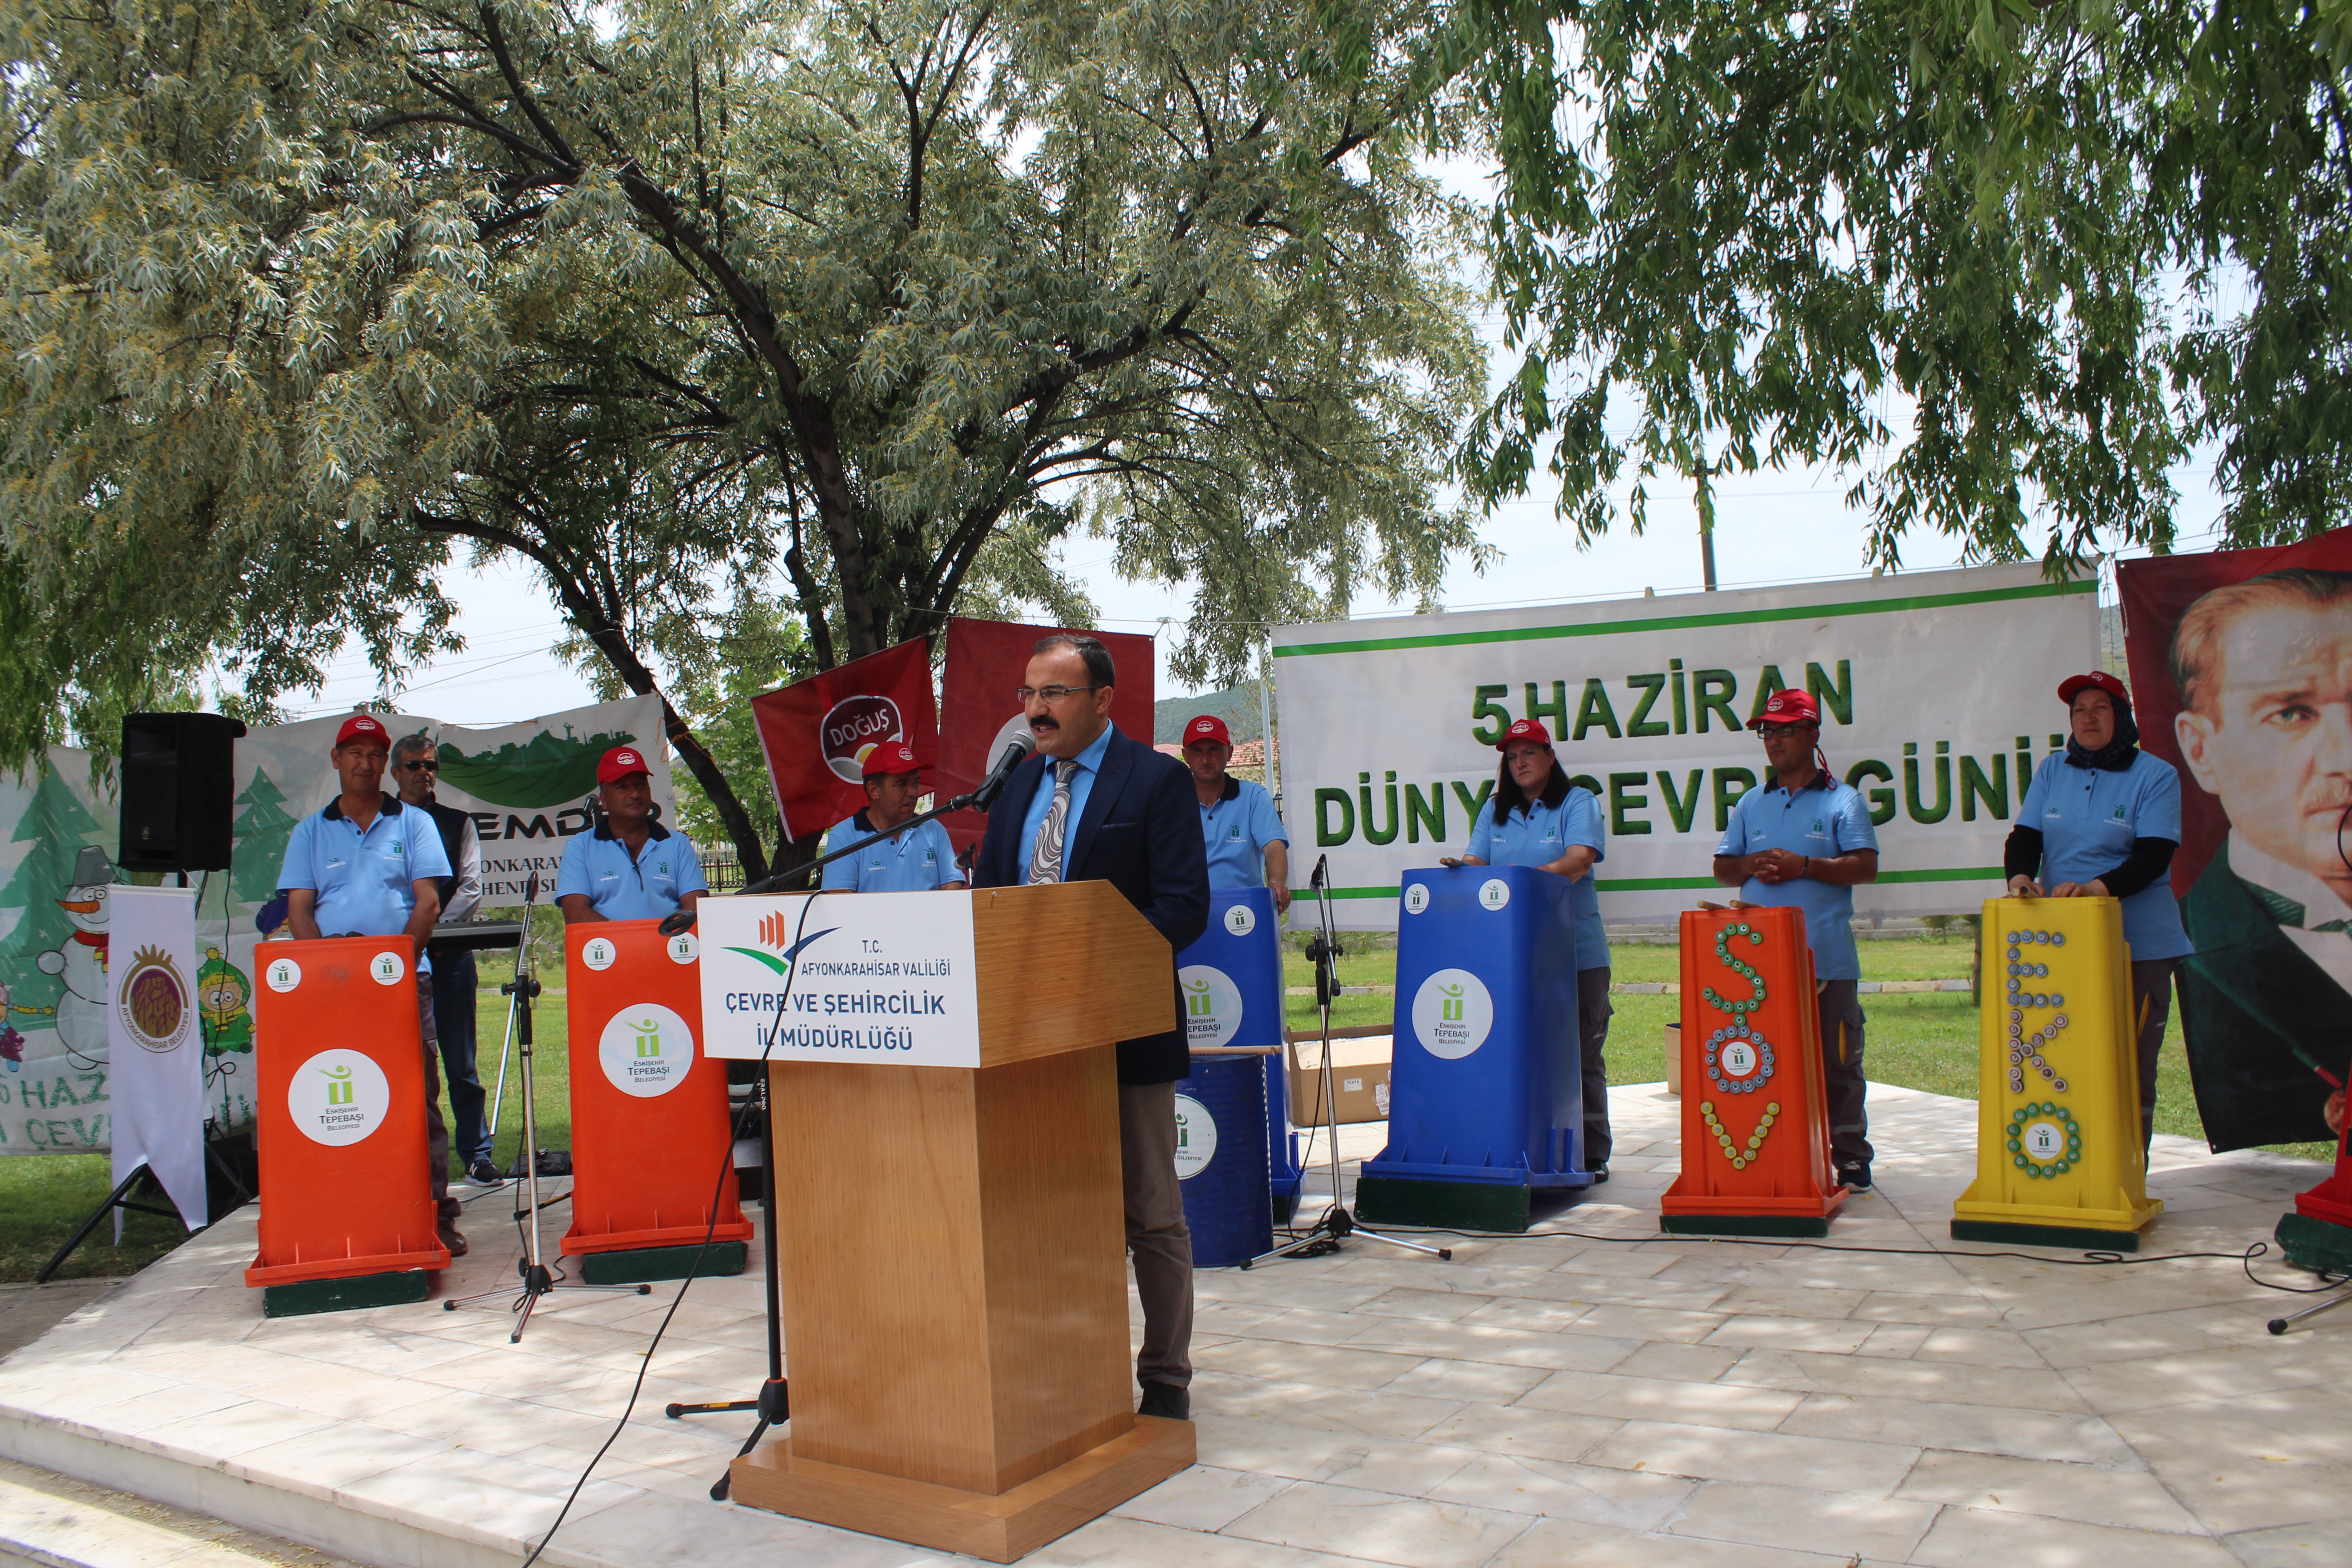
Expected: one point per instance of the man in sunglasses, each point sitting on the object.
(415, 769)
(1095, 804)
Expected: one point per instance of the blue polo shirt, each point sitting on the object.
(366, 883)
(1538, 835)
(1235, 828)
(2088, 818)
(916, 860)
(1082, 784)
(1823, 819)
(622, 886)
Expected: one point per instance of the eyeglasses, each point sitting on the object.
(422, 765)
(1770, 731)
(1050, 693)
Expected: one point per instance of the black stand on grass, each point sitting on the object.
(120, 1198)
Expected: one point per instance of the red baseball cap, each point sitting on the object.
(1786, 707)
(620, 762)
(2074, 685)
(363, 727)
(1524, 729)
(1208, 727)
(891, 757)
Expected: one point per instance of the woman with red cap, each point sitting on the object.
(2101, 820)
(1536, 818)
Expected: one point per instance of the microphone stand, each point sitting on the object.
(538, 1280)
(1337, 1224)
(773, 1402)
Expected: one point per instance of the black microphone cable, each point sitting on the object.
(717, 1188)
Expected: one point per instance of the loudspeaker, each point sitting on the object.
(177, 790)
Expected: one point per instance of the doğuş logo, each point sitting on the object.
(853, 727)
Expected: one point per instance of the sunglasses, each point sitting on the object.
(422, 765)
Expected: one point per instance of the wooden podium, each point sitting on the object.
(953, 1254)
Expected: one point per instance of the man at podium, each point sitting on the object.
(1120, 812)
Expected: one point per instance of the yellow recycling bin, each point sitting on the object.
(2058, 1141)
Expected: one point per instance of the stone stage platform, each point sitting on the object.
(1540, 1401)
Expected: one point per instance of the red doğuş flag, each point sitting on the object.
(986, 661)
(816, 732)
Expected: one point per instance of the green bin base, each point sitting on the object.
(2081, 1239)
(1796, 1224)
(639, 1265)
(2314, 1244)
(302, 1296)
(1445, 1205)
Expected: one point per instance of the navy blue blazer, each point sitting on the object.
(1141, 833)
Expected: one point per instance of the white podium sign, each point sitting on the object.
(846, 977)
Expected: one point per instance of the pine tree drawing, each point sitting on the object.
(261, 836)
(58, 826)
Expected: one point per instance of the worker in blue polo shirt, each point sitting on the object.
(631, 868)
(1534, 816)
(1804, 839)
(1247, 844)
(367, 865)
(919, 860)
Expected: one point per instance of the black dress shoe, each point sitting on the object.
(1600, 1174)
(1166, 1399)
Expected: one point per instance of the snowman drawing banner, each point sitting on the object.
(525, 784)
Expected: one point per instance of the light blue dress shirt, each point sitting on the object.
(918, 860)
(1082, 784)
(647, 886)
(1235, 829)
(2088, 818)
(1538, 835)
(366, 883)
(1823, 819)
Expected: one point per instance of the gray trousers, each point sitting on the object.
(1593, 1015)
(436, 1132)
(2151, 985)
(1157, 1236)
(1840, 1002)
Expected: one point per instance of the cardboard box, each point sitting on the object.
(1361, 1064)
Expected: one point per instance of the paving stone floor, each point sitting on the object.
(1586, 1395)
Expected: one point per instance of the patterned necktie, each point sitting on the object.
(2287, 912)
(1046, 857)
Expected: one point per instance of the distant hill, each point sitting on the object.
(1236, 705)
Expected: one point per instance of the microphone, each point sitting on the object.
(1322, 864)
(1017, 747)
(675, 922)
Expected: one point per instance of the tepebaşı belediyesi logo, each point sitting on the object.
(853, 727)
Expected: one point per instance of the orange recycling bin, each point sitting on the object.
(347, 1213)
(650, 1138)
(1755, 1137)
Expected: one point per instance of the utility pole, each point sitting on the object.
(1704, 494)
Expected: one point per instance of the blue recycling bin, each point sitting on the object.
(1232, 984)
(1221, 1160)
(1486, 1101)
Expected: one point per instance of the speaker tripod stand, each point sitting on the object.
(1336, 1225)
(538, 1280)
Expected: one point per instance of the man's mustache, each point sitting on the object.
(1044, 721)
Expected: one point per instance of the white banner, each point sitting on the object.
(526, 784)
(157, 1043)
(872, 977)
(1937, 690)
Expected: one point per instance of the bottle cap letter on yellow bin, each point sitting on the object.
(2058, 1145)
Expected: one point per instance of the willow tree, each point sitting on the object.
(876, 302)
(2005, 261)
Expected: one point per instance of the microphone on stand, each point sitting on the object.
(1322, 864)
(1017, 747)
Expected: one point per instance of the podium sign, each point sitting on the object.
(1755, 1137)
(1486, 1099)
(951, 1252)
(2058, 1130)
(347, 1213)
(873, 977)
